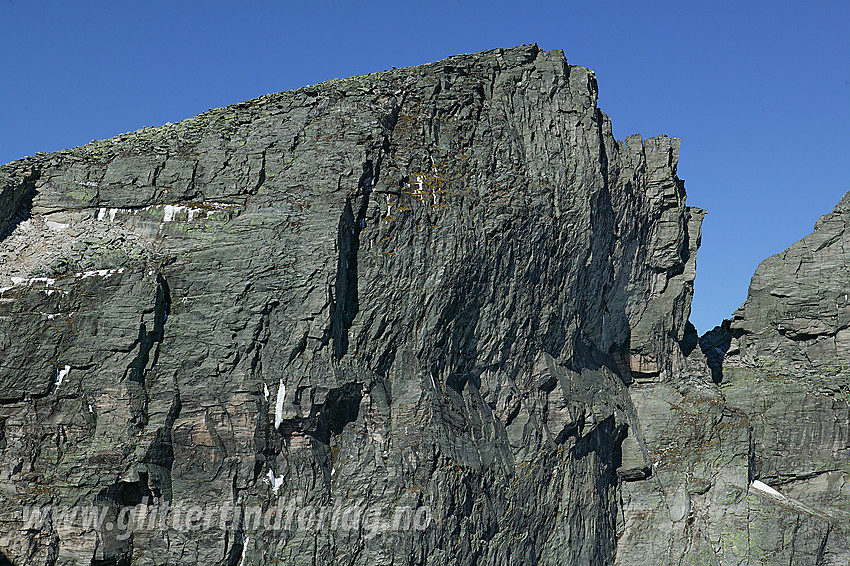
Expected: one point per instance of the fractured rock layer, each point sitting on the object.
(444, 287)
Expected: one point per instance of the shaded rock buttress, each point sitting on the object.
(425, 287)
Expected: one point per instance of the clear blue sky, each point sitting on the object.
(758, 91)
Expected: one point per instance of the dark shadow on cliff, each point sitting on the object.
(598, 343)
(116, 550)
(234, 555)
(605, 440)
(341, 407)
(690, 340)
(16, 203)
(127, 494)
(147, 338)
(345, 299)
(714, 345)
(458, 349)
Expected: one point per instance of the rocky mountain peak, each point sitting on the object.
(445, 295)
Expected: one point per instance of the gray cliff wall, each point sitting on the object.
(449, 272)
(751, 461)
(784, 360)
(444, 286)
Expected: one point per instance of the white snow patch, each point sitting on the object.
(102, 212)
(265, 387)
(56, 225)
(278, 406)
(170, 210)
(60, 377)
(245, 540)
(99, 273)
(273, 481)
(52, 316)
(23, 280)
(96, 272)
(764, 488)
(90, 408)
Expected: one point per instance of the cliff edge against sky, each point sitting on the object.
(444, 288)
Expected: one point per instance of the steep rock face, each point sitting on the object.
(751, 466)
(424, 287)
(798, 309)
(754, 469)
(784, 360)
(443, 288)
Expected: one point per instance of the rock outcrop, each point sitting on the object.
(784, 361)
(444, 295)
(754, 470)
